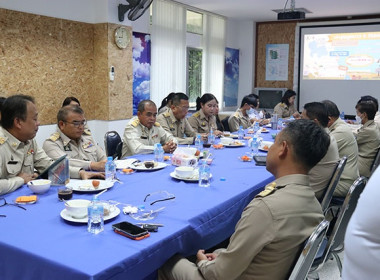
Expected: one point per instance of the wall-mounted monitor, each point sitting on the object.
(269, 97)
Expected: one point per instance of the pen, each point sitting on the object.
(157, 225)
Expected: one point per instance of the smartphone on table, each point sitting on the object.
(260, 160)
(130, 230)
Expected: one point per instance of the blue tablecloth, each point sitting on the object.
(39, 244)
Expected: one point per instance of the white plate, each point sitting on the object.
(264, 131)
(86, 185)
(124, 163)
(234, 136)
(232, 145)
(194, 178)
(67, 217)
(263, 144)
(141, 167)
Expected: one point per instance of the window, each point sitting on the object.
(194, 22)
(194, 74)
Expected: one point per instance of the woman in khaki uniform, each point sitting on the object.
(285, 108)
(204, 119)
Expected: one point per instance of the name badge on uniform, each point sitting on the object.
(144, 137)
(67, 148)
(87, 145)
(203, 124)
(172, 129)
(12, 162)
(155, 136)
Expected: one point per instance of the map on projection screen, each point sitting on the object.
(342, 56)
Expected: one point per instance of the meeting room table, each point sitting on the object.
(37, 243)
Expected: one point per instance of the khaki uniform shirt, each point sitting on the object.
(321, 173)
(238, 119)
(377, 119)
(283, 110)
(180, 129)
(267, 238)
(138, 139)
(16, 157)
(346, 147)
(80, 154)
(202, 124)
(368, 140)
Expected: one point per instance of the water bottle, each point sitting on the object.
(211, 137)
(95, 213)
(341, 115)
(110, 169)
(198, 142)
(204, 175)
(255, 145)
(279, 124)
(256, 127)
(158, 152)
(241, 132)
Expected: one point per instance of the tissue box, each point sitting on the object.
(184, 160)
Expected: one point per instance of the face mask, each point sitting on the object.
(358, 119)
(251, 111)
(261, 114)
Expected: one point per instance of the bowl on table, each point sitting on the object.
(77, 208)
(184, 171)
(226, 140)
(39, 186)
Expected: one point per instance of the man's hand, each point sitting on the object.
(202, 256)
(297, 115)
(218, 133)
(98, 166)
(88, 175)
(26, 177)
(169, 147)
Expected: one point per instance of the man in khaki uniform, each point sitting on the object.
(72, 139)
(142, 132)
(320, 174)
(241, 116)
(19, 153)
(274, 225)
(347, 146)
(367, 137)
(174, 120)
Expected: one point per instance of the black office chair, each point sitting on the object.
(334, 180)
(309, 252)
(376, 162)
(111, 141)
(225, 124)
(334, 243)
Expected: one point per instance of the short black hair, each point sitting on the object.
(289, 93)
(250, 100)
(68, 100)
(15, 106)
(204, 99)
(332, 109)
(309, 141)
(64, 111)
(368, 107)
(141, 106)
(317, 110)
(178, 96)
(370, 98)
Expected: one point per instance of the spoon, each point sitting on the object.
(149, 214)
(101, 192)
(65, 202)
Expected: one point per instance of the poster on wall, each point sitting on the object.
(141, 68)
(231, 77)
(276, 62)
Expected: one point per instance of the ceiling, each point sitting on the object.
(261, 10)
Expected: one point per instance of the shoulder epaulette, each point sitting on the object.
(55, 136)
(2, 140)
(282, 104)
(236, 114)
(135, 123)
(157, 124)
(269, 189)
(196, 114)
(87, 132)
(166, 114)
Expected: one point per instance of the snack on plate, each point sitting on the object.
(245, 158)
(197, 153)
(218, 146)
(237, 143)
(247, 137)
(95, 184)
(26, 199)
(127, 170)
(166, 158)
(266, 148)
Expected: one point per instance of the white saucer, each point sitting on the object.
(195, 178)
(67, 217)
(234, 145)
(141, 167)
(86, 185)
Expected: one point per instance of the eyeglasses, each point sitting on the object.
(77, 123)
(3, 202)
(212, 105)
(158, 197)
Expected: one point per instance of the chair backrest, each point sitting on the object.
(309, 251)
(111, 140)
(336, 238)
(334, 180)
(225, 124)
(376, 162)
